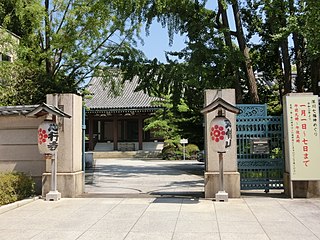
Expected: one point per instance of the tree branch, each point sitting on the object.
(218, 23)
(41, 40)
(234, 33)
(64, 16)
(93, 68)
(80, 64)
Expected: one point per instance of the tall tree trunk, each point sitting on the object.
(280, 78)
(286, 66)
(315, 75)
(47, 40)
(299, 53)
(252, 84)
(299, 47)
(287, 85)
(227, 38)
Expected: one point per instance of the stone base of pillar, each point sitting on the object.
(53, 196)
(301, 189)
(70, 185)
(231, 184)
(222, 196)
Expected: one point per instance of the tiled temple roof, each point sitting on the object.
(129, 100)
(16, 110)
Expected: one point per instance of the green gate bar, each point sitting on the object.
(260, 152)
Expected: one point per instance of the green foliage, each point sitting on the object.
(276, 153)
(168, 123)
(173, 150)
(312, 26)
(14, 187)
(191, 151)
(285, 27)
(201, 65)
(64, 43)
(165, 122)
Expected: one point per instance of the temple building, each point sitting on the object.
(115, 123)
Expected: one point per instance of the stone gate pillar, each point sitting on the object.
(70, 177)
(231, 174)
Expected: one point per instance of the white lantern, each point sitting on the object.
(48, 136)
(220, 133)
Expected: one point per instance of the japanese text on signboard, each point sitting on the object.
(303, 134)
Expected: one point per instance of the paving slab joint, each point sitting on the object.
(11, 206)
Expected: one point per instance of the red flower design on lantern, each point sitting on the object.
(217, 133)
(42, 136)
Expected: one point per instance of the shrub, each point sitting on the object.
(15, 186)
(174, 151)
(169, 151)
(191, 151)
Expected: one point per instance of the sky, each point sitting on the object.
(157, 42)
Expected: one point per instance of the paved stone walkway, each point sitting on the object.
(112, 211)
(145, 177)
(164, 219)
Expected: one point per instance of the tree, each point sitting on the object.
(66, 42)
(165, 122)
(299, 45)
(172, 123)
(223, 24)
(277, 22)
(209, 60)
(252, 85)
(268, 19)
(312, 26)
(206, 47)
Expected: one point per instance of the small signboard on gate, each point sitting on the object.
(260, 146)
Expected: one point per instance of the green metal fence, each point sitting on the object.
(260, 149)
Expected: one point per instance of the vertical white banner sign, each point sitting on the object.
(303, 139)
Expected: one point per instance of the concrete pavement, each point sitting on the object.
(164, 218)
(111, 209)
(138, 178)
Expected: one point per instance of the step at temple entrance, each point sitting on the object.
(259, 148)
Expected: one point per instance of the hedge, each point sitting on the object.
(15, 186)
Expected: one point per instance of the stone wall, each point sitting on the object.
(19, 149)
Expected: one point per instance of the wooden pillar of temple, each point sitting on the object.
(115, 133)
(91, 140)
(140, 132)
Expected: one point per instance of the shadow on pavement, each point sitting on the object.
(263, 194)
